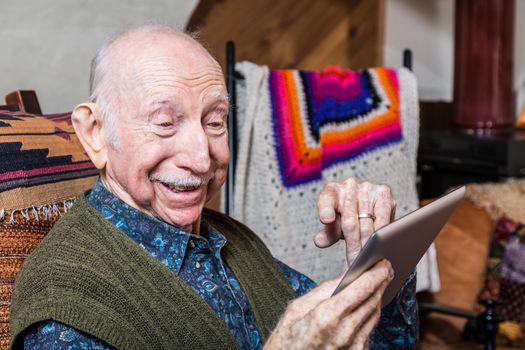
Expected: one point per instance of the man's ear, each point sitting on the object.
(86, 118)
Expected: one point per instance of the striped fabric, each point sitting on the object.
(41, 161)
(341, 115)
(43, 167)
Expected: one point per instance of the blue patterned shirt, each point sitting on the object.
(197, 260)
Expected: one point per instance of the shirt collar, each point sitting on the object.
(165, 242)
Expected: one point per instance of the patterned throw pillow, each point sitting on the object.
(43, 167)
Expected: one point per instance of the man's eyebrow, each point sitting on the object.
(219, 96)
(171, 102)
(156, 106)
(165, 98)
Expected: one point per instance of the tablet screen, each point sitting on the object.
(403, 242)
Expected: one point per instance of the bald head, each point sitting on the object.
(156, 125)
(125, 62)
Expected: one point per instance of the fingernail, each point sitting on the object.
(328, 214)
(320, 239)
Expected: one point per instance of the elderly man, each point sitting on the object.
(139, 264)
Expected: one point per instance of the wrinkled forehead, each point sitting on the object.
(166, 60)
(160, 80)
(163, 69)
(174, 101)
(157, 72)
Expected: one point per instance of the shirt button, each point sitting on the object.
(192, 244)
(197, 264)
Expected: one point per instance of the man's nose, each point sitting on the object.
(195, 152)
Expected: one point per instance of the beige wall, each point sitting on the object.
(427, 27)
(47, 44)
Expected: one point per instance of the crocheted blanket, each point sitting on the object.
(299, 129)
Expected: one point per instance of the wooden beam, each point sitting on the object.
(305, 34)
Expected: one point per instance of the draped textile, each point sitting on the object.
(299, 129)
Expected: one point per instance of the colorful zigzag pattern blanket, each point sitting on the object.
(337, 116)
(299, 129)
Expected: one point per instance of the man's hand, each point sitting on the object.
(340, 205)
(318, 321)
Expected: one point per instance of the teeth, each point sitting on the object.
(181, 188)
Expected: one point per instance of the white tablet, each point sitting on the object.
(403, 242)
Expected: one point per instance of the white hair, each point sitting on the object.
(105, 89)
(102, 92)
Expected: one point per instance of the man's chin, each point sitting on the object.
(180, 209)
(187, 219)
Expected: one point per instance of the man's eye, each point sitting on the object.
(165, 124)
(216, 124)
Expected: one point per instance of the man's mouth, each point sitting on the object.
(181, 185)
(179, 188)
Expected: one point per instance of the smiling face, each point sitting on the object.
(172, 152)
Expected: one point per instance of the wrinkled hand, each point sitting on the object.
(339, 205)
(318, 321)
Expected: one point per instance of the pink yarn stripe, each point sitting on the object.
(342, 88)
(43, 171)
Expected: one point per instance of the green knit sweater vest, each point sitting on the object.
(89, 275)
